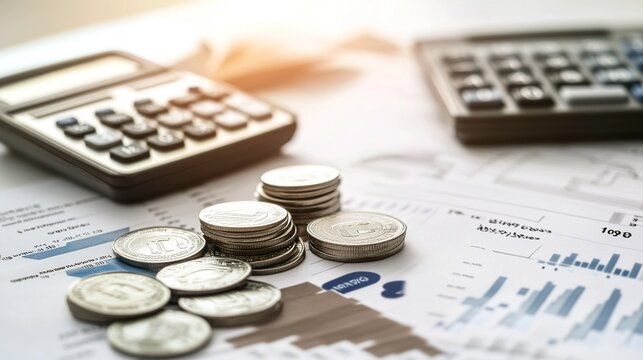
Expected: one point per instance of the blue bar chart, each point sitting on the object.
(597, 320)
(579, 316)
(608, 267)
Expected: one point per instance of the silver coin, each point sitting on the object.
(115, 295)
(300, 195)
(251, 235)
(356, 228)
(203, 276)
(296, 259)
(260, 194)
(300, 177)
(157, 247)
(262, 260)
(355, 258)
(264, 248)
(242, 216)
(252, 299)
(252, 243)
(166, 334)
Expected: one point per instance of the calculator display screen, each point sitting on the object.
(67, 78)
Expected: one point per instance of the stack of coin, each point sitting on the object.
(156, 247)
(306, 191)
(356, 236)
(262, 234)
(253, 303)
(115, 296)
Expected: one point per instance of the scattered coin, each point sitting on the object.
(306, 191)
(114, 296)
(156, 247)
(255, 302)
(356, 236)
(204, 276)
(166, 334)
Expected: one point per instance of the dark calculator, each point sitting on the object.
(546, 86)
(131, 129)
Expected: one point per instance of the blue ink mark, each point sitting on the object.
(78, 245)
(393, 289)
(351, 282)
(111, 265)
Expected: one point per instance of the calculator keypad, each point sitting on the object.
(545, 86)
(133, 133)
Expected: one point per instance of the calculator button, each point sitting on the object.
(546, 49)
(473, 81)
(103, 112)
(61, 123)
(603, 61)
(138, 130)
(556, 62)
(103, 141)
(518, 78)
(231, 120)
(165, 142)
(595, 47)
(633, 47)
(142, 102)
(486, 98)
(78, 131)
(256, 109)
(116, 120)
(464, 68)
(175, 119)
(456, 57)
(200, 131)
(618, 76)
(151, 109)
(129, 153)
(503, 51)
(637, 92)
(531, 96)
(207, 109)
(594, 95)
(568, 77)
(185, 101)
(508, 65)
(212, 93)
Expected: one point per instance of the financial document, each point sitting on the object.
(511, 252)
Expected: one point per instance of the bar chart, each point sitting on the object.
(609, 267)
(522, 307)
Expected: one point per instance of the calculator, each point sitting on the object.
(545, 86)
(131, 129)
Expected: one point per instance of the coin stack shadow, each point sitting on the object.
(269, 249)
(308, 192)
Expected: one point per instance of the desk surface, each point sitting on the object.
(375, 119)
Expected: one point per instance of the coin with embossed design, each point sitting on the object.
(166, 334)
(204, 276)
(242, 216)
(252, 303)
(300, 178)
(356, 236)
(156, 247)
(117, 295)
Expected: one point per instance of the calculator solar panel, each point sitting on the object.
(131, 129)
(548, 86)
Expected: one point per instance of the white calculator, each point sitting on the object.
(131, 129)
